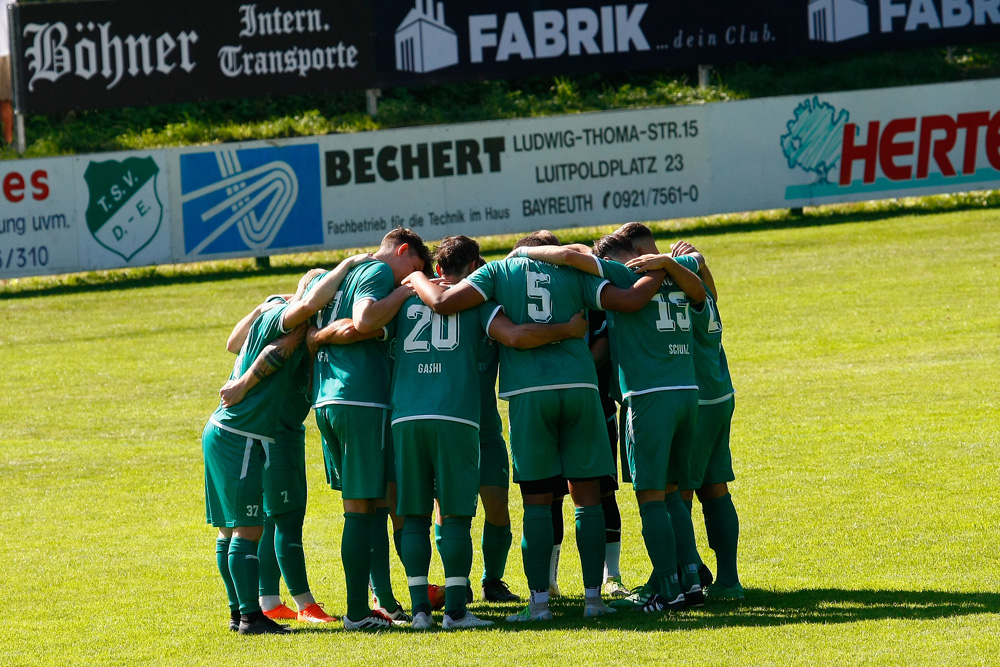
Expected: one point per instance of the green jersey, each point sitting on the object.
(711, 368)
(436, 363)
(256, 416)
(297, 398)
(532, 291)
(654, 346)
(490, 423)
(355, 374)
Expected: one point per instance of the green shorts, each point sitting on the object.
(659, 431)
(234, 467)
(356, 449)
(559, 432)
(436, 456)
(711, 458)
(494, 464)
(285, 475)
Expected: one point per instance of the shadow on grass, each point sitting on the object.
(768, 608)
(761, 608)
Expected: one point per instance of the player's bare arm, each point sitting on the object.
(242, 328)
(688, 281)
(370, 316)
(445, 301)
(576, 256)
(685, 248)
(634, 298)
(532, 334)
(270, 359)
(322, 293)
(339, 332)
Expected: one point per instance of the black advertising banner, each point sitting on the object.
(108, 53)
(438, 41)
(93, 55)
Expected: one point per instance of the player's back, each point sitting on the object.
(532, 291)
(358, 373)
(257, 414)
(653, 346)
(436, 368)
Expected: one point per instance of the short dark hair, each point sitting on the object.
(634, 230)
(454, 253)
(401, 235)
(539, 238)
(613, 246)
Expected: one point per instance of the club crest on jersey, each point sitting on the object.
(124, 212)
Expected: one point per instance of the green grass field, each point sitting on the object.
(865, 352)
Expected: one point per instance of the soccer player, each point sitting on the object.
(280, 550)
(351, 399)
(656, 373)
(435, 428)
(235, 444)
(644, 243)
(555, 413)
(711, 458)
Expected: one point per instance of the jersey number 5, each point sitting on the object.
(542, 311)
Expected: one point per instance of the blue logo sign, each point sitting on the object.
(251, 199)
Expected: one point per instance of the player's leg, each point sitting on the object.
(415, 498)
(455, 452)
(722, 523)
(381, 578)
(585, 458)
(613, 586)
(684, 417)
(558, 534)
(534, 450)
(355, 438)
(268, 573)
(494, 484)
(234, 502)
(648, 426)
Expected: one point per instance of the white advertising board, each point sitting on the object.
(347, 190)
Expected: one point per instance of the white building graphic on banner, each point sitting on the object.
(837, 20)
(423, 42)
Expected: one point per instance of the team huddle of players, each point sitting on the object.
(401, 369)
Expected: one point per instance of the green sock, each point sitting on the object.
(243, 567)
(689, 504)
(496, 546)
(456, 555)
(415, 545)
(536, 545)
(658, 534)
(356, 555)
(590, 542)
(380, 578)
(222, 561)
(723, 527)
(687, 549)
(267, 562)
(288, 547)
(397, 543)
(437, 538)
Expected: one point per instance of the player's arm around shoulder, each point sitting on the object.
(531, 335)
(444, 300)
(684, 278)
(321, 293)
(271, 358)
(576, 256)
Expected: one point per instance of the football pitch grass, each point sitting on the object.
(866, 356)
